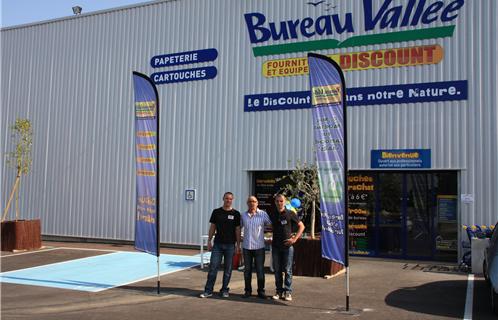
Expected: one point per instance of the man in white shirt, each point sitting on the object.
(253, 223)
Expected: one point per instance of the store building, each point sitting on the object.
(422, 96)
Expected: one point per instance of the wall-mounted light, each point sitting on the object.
(77, 10)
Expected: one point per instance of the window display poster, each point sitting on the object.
(361, 214)
(447, 208)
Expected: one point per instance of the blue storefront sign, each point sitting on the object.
(277, 101)
(377, 95)
(400, 159)
(184, 75)
(175, 59)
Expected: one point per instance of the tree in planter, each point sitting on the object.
(305, 186)
(20, 159)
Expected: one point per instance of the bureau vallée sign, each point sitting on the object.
(373, 23)
(389, 19)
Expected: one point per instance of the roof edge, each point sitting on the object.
(31, 24)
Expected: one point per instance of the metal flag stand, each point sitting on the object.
(158, 195)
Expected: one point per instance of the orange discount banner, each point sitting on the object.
(365, 60)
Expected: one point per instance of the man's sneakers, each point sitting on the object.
(286, 296)
(223, 294)
(205, 295)
(277, 296)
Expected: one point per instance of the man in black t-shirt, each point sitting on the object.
(225, 227)
(282, 249)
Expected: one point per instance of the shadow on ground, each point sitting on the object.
(186, 292)
(482, 299)
(440, 298)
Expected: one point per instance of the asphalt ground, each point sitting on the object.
(379, 289)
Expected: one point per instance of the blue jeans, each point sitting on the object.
(220, 250)
(283, 259)
(258, 256)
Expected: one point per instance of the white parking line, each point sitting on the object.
(470, 298)
(89, 249)
(58, 248)
(29, 252)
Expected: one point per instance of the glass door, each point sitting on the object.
(419, 221)
(390, 214)
(445, 211)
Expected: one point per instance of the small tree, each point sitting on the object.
(19, 159)
(305, 186)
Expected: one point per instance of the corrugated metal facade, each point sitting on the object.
(72, 78)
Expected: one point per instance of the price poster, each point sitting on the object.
(361, 214)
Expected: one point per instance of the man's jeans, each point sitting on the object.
(220, 250)
(258, 256)
(282, 263)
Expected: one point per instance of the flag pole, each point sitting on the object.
(158, 195)
(158, 278)
(346, 192)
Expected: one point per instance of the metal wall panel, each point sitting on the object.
(72, 78)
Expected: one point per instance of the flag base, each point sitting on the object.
(351, 311)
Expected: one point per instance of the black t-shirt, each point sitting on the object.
(282, 226)
(226, 222)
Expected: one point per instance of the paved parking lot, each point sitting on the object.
(380, 289)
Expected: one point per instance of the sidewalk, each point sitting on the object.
(380, 289)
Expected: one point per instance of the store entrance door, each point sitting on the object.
(390, 222)
(404, 216)
(416, 215)
(419, 221)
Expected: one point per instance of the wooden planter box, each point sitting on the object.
(21, 235)
(308, 260)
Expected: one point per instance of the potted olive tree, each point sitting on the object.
(304, 184)
(19, 234)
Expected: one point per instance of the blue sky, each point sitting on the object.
(16, 12)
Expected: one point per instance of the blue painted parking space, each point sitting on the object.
(100, 272)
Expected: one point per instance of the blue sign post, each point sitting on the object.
(147, 167)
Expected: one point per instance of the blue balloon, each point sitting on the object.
(296, 203)
(288, 206)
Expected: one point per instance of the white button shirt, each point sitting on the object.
(254, 229)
